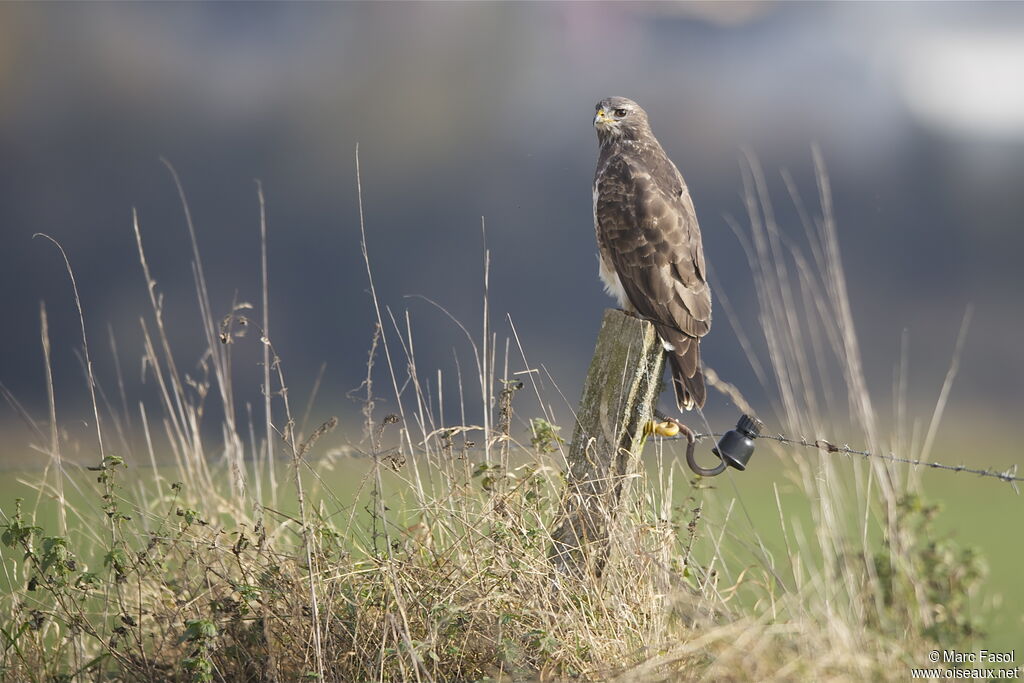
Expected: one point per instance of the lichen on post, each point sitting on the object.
(622, 384)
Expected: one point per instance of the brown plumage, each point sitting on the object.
(651, 258)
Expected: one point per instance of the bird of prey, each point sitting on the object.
(651, 258)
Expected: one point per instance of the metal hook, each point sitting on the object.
(691, 460)
(734, 449)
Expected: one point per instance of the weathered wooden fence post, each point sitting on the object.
(618, 396)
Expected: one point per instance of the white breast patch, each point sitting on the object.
(613, 285)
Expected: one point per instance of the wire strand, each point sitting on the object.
(1009, 475)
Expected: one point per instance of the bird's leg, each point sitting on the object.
(630, 310)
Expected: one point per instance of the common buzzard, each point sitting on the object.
(651, 258)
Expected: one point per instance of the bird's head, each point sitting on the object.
(620, 118)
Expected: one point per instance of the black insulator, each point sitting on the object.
(737, 445)
(734, 448)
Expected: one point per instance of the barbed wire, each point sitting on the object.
(1009, 475)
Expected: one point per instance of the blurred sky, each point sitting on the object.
(463, 111)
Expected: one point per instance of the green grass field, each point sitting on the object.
(981, 513)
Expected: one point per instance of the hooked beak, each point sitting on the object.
(601, 117)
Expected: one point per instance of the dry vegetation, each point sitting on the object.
(438, 568)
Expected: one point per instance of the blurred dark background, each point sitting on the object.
(471, 111)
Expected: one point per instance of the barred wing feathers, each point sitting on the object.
(647, 228)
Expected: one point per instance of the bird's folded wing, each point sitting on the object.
(650, 230)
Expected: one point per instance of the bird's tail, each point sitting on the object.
(684, 359)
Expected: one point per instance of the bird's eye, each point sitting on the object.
(620, 113)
